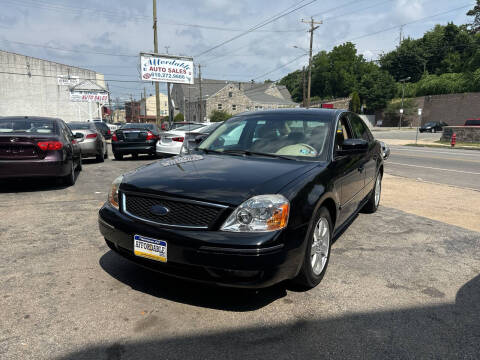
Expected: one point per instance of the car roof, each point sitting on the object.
(30, 117)
(332, 113)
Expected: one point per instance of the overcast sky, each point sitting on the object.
(188, 27)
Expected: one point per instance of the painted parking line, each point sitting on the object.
(434, 168)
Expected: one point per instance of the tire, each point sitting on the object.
(100, 156)
(80, 166)
(69, 180)
(118, 156)
(135, 156)
(316, 258)
(373, 202)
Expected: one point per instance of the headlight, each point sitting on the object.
(113, 193)
(259, 214)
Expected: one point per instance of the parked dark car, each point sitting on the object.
(260, 202)
(472, 122)
(90, 139)
(433, 127)
(104, 129)
(134, 139)
(38, 147)
(194, 138)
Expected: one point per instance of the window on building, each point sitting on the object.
(219, 106)
(230, 94)
(234, 107)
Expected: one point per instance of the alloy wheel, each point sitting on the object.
(320, 246)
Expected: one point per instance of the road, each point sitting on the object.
(405, 134)
(446, 166)
(398, 285)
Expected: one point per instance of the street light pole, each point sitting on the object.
(403, 95)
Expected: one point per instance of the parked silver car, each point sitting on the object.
(92, 143)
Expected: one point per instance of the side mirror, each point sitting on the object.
(199, 138)
(351, 146)
(78, 136)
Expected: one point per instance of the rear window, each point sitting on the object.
(189, 127)
(138, 126)
(79, 126)
(472, 122)
(29, 126)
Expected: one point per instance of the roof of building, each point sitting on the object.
(254, 91)
(88, 85)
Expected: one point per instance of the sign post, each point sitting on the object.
(418, 125)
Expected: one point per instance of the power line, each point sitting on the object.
(259, 25)
(281, 67)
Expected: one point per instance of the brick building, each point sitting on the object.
(132, 111)
(232, 97)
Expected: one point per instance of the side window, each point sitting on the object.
(360, 130)
(342, 132)
(232, 137)
(66, 131)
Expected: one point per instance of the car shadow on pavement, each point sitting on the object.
(187, 292)
(140, 157)
(442, 331)
(34, 184)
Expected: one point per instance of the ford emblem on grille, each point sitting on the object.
(159, 210)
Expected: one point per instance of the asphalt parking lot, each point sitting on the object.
(398, 286)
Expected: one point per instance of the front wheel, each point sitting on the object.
(118, 156)
(317, 252)
(374, 199)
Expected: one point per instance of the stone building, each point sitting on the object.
(35, 87)
(148, 108)
(232, 97)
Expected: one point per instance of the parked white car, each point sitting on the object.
(170, 142)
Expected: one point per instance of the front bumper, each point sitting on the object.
(253, 260)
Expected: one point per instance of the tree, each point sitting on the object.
(179, 117)
(392, 111)
(475, 12)
(219, 115)
(355, 104)
(376, 89)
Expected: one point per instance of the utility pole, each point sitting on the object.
(170, 107)
(200, 90)
(304, 88)
(312, 29)
(155, 50)
(110, 104)
(401, 35)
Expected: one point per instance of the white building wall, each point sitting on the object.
(39, 94)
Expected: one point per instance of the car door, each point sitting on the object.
(370, 157)
(73, 149)
(349, 170)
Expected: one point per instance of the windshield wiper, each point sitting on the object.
(249, 153)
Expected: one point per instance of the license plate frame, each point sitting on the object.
(150, 248)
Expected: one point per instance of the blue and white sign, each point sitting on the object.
(166, 68)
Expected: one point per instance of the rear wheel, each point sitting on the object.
(69, 180)
(374, 199)
(118, 156)
(100, 156)
(79, 166)
(317, 252)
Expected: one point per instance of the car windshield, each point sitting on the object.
(209, 128)
(79, 126)
(302, 136)
(189, 127)
(26, 125)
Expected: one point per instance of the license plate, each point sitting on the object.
(150, 248)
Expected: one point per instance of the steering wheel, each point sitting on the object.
(297, 150)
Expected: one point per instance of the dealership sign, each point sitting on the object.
(65, 80)
(89, 96)
(166, 68)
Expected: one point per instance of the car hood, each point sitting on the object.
(224, 179)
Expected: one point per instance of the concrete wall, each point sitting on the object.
(467, 134)
(453, 109)
(39, 94)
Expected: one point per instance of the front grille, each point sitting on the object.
(181, 213)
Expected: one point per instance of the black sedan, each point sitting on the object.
(134, 139)
(433, 127)
(260, 202)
